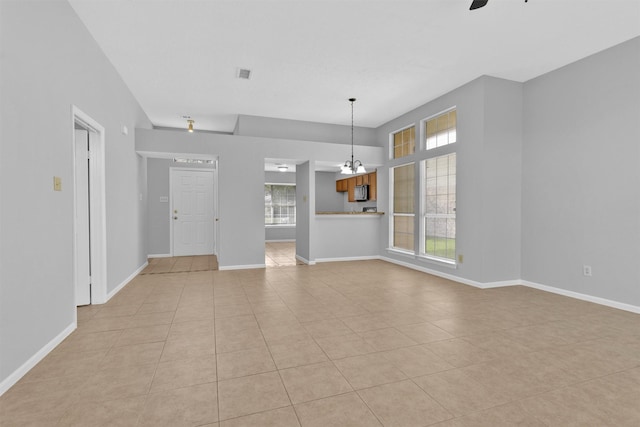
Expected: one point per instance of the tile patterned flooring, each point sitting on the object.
(338, 344)
(181, 264)
(280, 254)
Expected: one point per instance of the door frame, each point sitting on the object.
(97, 204)
(214, 199)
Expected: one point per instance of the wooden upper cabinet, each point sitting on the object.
(349, 184)
(351, 187)
(373, 186)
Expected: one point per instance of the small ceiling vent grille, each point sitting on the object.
(244, 73)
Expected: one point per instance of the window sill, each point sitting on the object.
(404, 253)
(438, 261)
(422, 258)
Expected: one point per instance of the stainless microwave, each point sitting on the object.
(361, 193)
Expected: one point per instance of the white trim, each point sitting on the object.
(126, 281)
(354, 258)
(304, 260)
(583, 297)
(458, 279)
(159, 256)
(15, 376)
(280, 241)
(98, 214)
(280, 226)
(242, 267)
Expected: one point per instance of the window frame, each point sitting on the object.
(423, 129)
(418, 159)
(416, 148)
(287, 225)
(402, 214)
(422, 238)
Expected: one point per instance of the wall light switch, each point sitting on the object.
(125, 130)
(164, 199)
(460, 258)
(57, 183)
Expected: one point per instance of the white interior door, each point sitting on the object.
(82, 233)
(192, 211)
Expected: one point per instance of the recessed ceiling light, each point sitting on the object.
(244, 73)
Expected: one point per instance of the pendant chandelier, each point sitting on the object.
(352, 167)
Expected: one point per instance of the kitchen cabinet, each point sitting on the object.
(351, 187)
(348, 185)
(373, 186)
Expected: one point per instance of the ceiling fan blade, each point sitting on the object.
(476, 4)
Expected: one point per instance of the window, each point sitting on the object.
(403, 207)
(441, 130)
(404, 142)
(439, 207)
(279, 204)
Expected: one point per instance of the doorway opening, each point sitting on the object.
(89, 227)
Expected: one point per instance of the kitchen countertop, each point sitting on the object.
(349, 213)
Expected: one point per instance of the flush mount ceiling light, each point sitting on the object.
(352, 167)
(283, 168)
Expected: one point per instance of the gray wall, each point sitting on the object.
(488, 150)
(581, 176)
(49, 63)
(158, 218)
(327, 198)
(305, 208)
(267, 127)
(280, 232)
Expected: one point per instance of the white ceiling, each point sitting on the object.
(180, 57)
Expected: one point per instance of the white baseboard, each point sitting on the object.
(280, 241)
(583, 297)
(8, 382)
(353, 258)
(304, 260)
(241, 267)
(454, 278)
(126, 281)
(159, 256)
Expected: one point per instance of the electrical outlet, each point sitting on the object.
(57, 183)
(586, 270)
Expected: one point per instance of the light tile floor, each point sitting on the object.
(337, 344)
(280, 254)
(181, 264)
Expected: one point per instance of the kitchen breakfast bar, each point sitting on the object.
(342, 236)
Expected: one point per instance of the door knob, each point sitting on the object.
(175, 217)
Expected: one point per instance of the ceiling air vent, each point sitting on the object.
(244, 73)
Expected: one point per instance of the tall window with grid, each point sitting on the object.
(279, 204)
(439, 207)
(403, 207)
